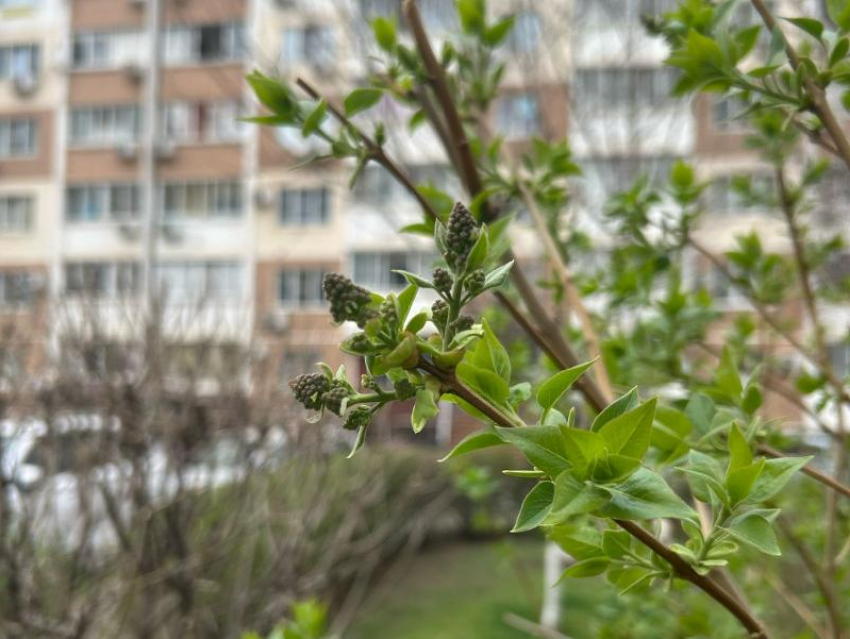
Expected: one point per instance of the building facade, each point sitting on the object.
(124, 169)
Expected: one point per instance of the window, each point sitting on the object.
(104, 125)
(103, 280)
(605, 176)
(18, 137)
(300, 287)
(19, 61)
(105, 50)
(16, 213)
(614, 87)
(313, 44)
(197, 281)
(204, 43)
(606, 13)
(518, 116)
(191, 122)
(16, 288)
(102, 202)
(730, 194)
(296, 361)
(374, 269)
(187, 201)
(526, 34)
(304, 207)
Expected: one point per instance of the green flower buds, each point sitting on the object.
(461, 233)
(358, 417)
(333, 399)
(405, 389)
(388, 312)
(440, 313)
(349, 302)
(463, 323)
(475, 282)
(309, 389)
(442, 280)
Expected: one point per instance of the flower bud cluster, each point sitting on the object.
(388, 312)
(349, 302)
(404, 389)
(463, 323)
(309, 389)
(442, 280)
(475, 281)
(462, 231)
(357, 417)
(440, 313)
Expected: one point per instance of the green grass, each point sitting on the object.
(457, 591)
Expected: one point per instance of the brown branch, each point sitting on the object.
(820, 104)
(826, 480)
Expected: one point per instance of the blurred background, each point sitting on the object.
(160, 282)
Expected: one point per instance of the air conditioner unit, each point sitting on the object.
(129, 231)
(276, 322)
(263, 197)
(166, 150)
(134, 71)
(128, 151)
(25, 84)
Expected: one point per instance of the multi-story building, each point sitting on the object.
(126, 176)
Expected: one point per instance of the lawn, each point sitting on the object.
(456, 591)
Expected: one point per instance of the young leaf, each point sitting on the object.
(413, 278)
(753, 528)
(740, 481)
(645, 495)
(424, 409)
(472, 15)
(542, 446)
(727, 378)
(839, 12)
(670, 432)
(586, 568)
(479, 251)
(491, 355)
(361, 99)
(621, 405)
(616, 543)
(313, 121)
(553, 388)
(486, 382)
(535, 507)
(573, 497)
(775, 474)
(740, 454)
(405, 302)
(498, 276)
(630, 433)
(495, 35)
(705, 477)
(583, 449)
(476, 441)
(811, 26)
(700, 410)
(579, 543)
(385, 33)
(358, 442)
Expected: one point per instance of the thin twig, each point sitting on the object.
(820, 104)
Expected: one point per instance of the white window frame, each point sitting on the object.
(16, 213)
(97, 126)
(374, 269)
(218, 200)
(106, 49)
(305, 285)
(15, 130)
(118, 279)
(105, 198)
(304, 207)
(19, 61)
(183, 44)
(190, 282)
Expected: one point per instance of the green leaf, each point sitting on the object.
(485, 382)
(385, 33)
(573, 497)
(705, 477)
(839, 13)
(553, 388)
(811, 26)
(468, 408)
(774, 476)
(424, 409)
(616, 543)
(740, 481)
(727, 378)
(479, 251)
(542, 445)
(580, 543)
(496, 34)
(405, 302)
(413, 278)
(361, 99)
(670, 432)
(645, 495)
(314, 120)
(621, 405)
(754, 529)
(583, 449)
(498, 276)
(535, 507)
(475, 441)
(740, 454)
(630, 433)
(417, 322)
(491, 355)
(700, 410)
(586, 568)
(274, 95)
(358, 442)
(472, 15)
(520, 393)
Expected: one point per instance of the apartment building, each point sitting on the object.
(125, 174)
